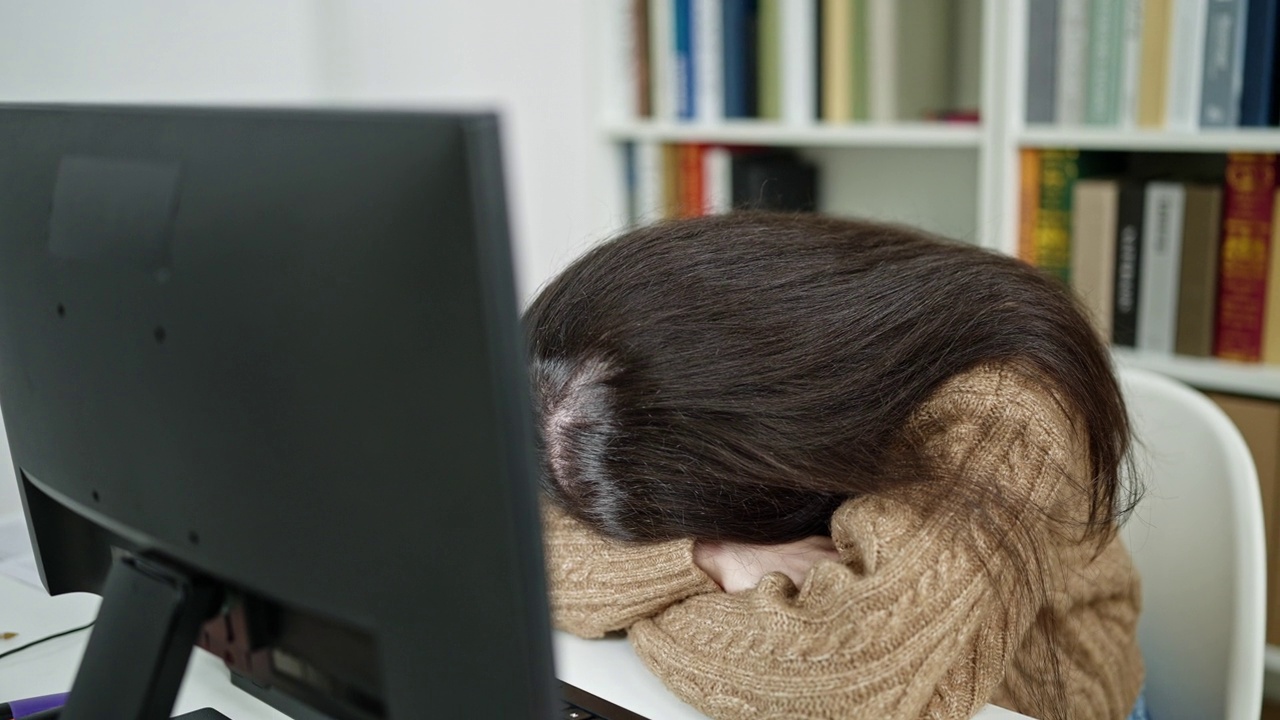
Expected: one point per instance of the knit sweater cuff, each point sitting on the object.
(599, 585)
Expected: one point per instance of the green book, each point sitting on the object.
(769, 59)
(1059, 171)
(861, 90)
(1105, 62)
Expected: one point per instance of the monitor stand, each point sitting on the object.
(137, 655)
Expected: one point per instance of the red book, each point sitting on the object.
(691, 192)
(1248, 196)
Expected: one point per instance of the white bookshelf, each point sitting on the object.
(1242, 140)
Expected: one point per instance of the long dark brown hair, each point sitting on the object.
(738, 377)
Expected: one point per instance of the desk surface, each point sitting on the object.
(607, 668)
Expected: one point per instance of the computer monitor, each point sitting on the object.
(262, 376)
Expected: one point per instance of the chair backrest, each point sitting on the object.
(1197, 539)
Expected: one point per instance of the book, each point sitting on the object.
(1105, 49)
(837, 60)
(685, 91)
(1221, 77)
(1198, 281)
(1072, 61)
(1028, 202)
(769, 60)
(649, 176)
(860, 94)
(619, 99)
(630, 183)
(1248, 200)
(1258, 421)
(640, 45)
(1042, 40)
(708, 67)
(691, 181)
(717, 177)
(1129, 218)
(1130, 63)
(907, 66)
(1095, 208)
(739, 47)
(671, 180)
(663, 82)
(799, 81)
(1161, 266)
(1185, 64)
(1257, 89)
(773, 180)
(1271, 311)
(1153, 75)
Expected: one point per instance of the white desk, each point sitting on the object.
(606, 668)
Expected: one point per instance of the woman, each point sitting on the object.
(823, 468)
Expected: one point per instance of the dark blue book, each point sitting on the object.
(739, 47)
(684, 59)
(1257, 92)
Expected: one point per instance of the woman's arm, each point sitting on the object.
(598, 585)
(924, 615)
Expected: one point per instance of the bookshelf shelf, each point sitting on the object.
(755, 132)
(1238, 140)
(1262, 381)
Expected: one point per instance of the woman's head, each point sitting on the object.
(736, 377)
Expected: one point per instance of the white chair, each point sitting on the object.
(1197, 539)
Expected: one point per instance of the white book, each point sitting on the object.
(618, 77)
(1073, 60)
(1161, 260)
(717, 180)
(1186, 64)
(663, 83)
(799, 33)
(882, 60)
(649, 201)
(1131, 63)
(708, 63)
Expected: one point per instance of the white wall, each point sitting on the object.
(527, 59)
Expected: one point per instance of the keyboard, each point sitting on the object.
(578, 704)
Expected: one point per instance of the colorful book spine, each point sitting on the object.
(799, 82)
(837, 60)
(684, 59)
(1271, 315)
(649, 202)
(1161, 266)
(1093, 250)
(1223, 63)
(640, 45)
(861, 92)
(1105, 48)
(1250, 185)
(1198, 283)
(1072, 60)
(1124, 319)
(1028, 203)
(717, 185)
(1042, 61)
(692, 193)
(1130, 63)
(1257, 96)
(769, 60)
(881, 53)
(708, 70)
(739, 46)
(1153, 75)
(662, 59)
(1059, 170)
(1186, 64)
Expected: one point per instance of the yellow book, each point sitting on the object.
(837, 60)
(1271, 311)
(1153, 70)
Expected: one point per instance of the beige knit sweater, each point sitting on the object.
(921, 619)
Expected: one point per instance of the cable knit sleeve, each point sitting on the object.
(598, 585)
(921, 618)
